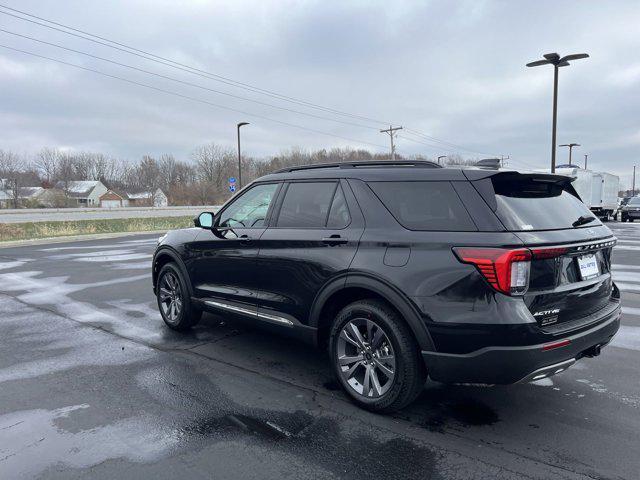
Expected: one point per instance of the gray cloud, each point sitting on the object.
(453, 70)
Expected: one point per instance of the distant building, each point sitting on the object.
(6, 199)
(113, 199)
(148, 199)
(83, 193)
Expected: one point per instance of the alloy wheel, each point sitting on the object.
(170, 297)
(365, 357)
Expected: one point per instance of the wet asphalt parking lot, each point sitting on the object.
(92, 385)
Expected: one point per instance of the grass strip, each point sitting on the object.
(34, 230)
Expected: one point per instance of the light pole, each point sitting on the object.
(586, 157)
(239, 157)
(570, 145)
(633, 192)
(441, 156)
(557, 61)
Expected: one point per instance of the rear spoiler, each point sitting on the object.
(481, 180)
(479, 174)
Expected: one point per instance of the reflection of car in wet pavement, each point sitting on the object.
(404, 269)
(93, 386)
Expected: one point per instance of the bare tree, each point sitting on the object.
(46, 162)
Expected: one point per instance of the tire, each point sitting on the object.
(407, 369)
(172, 289)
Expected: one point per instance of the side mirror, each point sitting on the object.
(204, 220)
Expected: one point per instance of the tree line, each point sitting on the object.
(202, 179)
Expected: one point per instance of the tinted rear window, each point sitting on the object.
(525, 203)
(424, 205)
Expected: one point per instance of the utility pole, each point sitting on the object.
(392, 133)
(633, 191)
(557, 61)
(15, 193)
(441, 156)
(586, 156)
(570, 145)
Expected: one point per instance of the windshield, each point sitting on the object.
(635, 201)
(526, 203)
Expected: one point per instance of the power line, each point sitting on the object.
(172, 63)
(445, 142)
(212, 76)
(194, 99)
(173, 79)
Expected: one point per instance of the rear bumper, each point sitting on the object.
(505, 365)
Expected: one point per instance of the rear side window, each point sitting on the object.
(530, 203)
(424, 205)
(339, 216)
(306, 205)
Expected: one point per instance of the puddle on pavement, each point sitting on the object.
(339, 446)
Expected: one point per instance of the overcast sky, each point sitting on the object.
(454, 71)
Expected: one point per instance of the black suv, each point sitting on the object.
(403, 270)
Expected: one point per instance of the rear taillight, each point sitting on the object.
(506, 270)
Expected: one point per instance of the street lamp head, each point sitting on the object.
(574, 56)
(554, 59)
(241, 124)
(538, 63)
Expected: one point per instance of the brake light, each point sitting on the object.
(544, 253)
(506, 270)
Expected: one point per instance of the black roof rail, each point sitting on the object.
(366, 163)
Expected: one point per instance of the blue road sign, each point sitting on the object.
(232, 187)
(232, 179)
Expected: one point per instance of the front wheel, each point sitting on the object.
(376, 357)
(173, 299)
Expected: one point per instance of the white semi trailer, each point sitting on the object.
(598, 190)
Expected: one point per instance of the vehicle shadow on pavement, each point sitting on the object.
(438, 407)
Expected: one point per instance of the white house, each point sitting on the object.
(84, 193)
(6, 199)
(113, 199)
(148, 199)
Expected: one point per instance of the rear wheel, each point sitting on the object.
(173, 299)
(375, 356)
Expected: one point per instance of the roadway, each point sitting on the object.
(64, 214)
(93, 385)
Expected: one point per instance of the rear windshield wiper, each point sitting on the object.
(582, 220)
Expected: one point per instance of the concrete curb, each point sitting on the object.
(75, 238)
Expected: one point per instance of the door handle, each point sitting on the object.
(335, 240)
(245, 238)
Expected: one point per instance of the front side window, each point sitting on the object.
(250, 210)
(306, 205)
